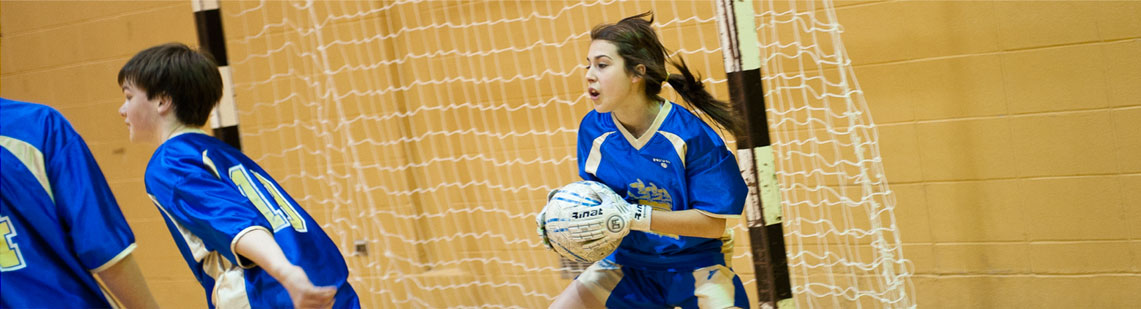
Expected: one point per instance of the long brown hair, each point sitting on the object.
(638, 44)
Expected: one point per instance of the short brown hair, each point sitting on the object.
(189, 77)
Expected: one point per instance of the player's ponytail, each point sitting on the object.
(693, 91)
(638, 44)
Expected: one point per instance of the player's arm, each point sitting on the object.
(716, 190)
(259, 246)
(690, 222)
(718, 193)
(85, 203)
(126, 282)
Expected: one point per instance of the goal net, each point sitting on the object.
(424, 135)
(843, 244)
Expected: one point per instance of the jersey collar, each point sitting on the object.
(184, 131)
(650, 132)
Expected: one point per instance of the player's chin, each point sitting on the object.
(600, 107)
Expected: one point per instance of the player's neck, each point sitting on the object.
(171, 127)
(638, 118)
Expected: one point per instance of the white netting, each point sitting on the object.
(432, 131)
(844, 248)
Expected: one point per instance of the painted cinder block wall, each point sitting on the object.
(1011, 136)
(67, 55)
(1010, 133)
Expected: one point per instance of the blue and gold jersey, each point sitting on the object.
(59, 222)
(211, 194)
(680, 163)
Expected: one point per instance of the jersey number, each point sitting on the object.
(10, 257)
(278, 218)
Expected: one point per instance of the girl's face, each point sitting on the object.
(608, 83)
(141, 114)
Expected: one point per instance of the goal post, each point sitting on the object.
(843, 244)
(741, 53)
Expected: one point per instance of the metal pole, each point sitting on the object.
(224, 119)
(754, 152)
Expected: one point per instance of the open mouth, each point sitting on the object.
(593, 93)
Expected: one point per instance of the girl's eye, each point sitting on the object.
(602, 65)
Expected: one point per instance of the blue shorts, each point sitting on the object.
(714, 286)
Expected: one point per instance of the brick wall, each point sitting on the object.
(67, 55)
(1010, 132)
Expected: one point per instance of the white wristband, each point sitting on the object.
(640, 221)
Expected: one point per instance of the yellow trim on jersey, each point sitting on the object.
(678, 143)
(646, 136)
(107, 295)
(186, 130)
(230, 289)
(215, 264)
(210, 163)
(194, 243)
(727, 242)
(32, 159)
(719, 216)
(595, 156)
(713, 286)
(115, 260)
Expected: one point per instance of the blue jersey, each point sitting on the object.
(59, 221)
(679, 163)
(210, 194)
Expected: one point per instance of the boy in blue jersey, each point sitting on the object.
(672, 178)
(63, 240)
(246, 240)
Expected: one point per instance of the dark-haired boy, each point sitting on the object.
(246, 240)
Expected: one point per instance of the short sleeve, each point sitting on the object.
(586, 136)
(209, 207)
(714, 181)
(100, 234)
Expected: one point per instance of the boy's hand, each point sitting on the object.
(302, 291)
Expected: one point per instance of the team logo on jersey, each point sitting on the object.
(651, 195)
(648, 193)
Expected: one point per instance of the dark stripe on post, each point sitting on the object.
(747, 94)
(210, 38)
(754, 148)
(766, 239)
(229, 135)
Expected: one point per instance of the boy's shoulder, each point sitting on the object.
(189, 151)
(184, 144)
(50, 122)
(15, 110)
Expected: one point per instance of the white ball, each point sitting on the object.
(569, 204)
